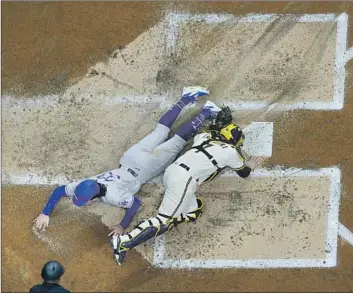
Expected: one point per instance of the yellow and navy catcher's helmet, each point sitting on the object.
(234, 134)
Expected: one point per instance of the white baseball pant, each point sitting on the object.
(180, 188)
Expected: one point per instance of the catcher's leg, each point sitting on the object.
(150, 228)
(193, 215)
(144, 231)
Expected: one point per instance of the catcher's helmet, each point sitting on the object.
(85, 191)
(52, 270)
(234, 134)
(224, 118)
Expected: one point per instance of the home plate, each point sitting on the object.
(259, 139)
(277, 218)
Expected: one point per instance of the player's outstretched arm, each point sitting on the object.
(246, 165)
(245, 155)
(254, 162)
(127, 219)
(251, 164)
(42, 221)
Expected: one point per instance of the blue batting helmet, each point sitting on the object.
(85, 191)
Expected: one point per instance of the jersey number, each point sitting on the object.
(208, 145)
(108, 176)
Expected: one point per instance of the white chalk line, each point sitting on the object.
(54, 246)
(333, 216)
(340, 69)
(333, 173)
(162, 103)
(278, 171)
(174, 20)
(41, 102)
(34, 179)
(243, 264)
(159, 250)
(348, 55)
(258, 105)
(346, 234)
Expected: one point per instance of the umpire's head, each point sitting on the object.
(52, 271)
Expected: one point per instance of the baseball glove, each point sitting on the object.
(223, 119)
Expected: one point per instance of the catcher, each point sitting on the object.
(210, 154)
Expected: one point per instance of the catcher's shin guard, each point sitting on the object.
(144, 231)
(194, 215)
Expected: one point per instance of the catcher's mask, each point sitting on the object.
(224, 118)
(234, 134)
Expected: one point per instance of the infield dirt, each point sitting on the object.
(48, 48)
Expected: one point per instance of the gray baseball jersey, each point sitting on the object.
(143, 161)
(121, 187)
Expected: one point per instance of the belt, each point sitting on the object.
(127, 169)
(187, 168)
(184, 166)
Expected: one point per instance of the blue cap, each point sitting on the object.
(84, 192)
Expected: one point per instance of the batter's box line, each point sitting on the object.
(334, 173)
(342, 56)
(245, 264)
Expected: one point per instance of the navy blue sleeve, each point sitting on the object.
(53, 200)
(130, 213)
(36, 289)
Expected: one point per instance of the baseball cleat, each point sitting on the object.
(119, 251)
(194, 92)
(120, 257)
(213, 109)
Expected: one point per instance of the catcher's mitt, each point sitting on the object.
(223, 119)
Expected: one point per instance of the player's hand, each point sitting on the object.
(116, 230)
(41, 222)
(254, 162)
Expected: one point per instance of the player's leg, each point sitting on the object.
(160, 133)
(179, 187)
(190, 129)
(195, 207)
(166, 153)
(189, 95)
(144, 231)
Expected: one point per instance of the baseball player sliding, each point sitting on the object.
(210, 154)
(143, 161)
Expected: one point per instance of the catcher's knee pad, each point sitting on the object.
(194, 215)
(144, 231)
